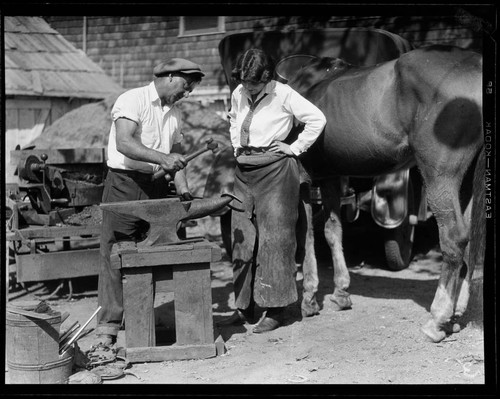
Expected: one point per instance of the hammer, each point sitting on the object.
(210, 146)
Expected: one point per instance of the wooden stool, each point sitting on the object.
(183, 269)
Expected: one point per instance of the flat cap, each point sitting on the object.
(176, 65)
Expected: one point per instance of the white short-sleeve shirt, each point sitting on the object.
(158, 128)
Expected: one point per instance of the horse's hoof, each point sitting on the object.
(453, 328)
(309, 307)
(454, 325)
(341, 302)
(432, 332)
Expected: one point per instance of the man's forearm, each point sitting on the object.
(138, 152)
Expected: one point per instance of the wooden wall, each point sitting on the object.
(127, 48)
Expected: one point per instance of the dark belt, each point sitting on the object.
(134, 174)
(252, 150)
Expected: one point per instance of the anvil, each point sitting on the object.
(163, 215)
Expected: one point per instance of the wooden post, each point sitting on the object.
(138, 302)
(193, 304)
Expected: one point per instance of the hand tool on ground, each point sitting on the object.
(163, 215)
(210, 145)
(66, 334)
(79, 332)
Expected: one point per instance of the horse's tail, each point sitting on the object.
(477, 245)
(478, 216)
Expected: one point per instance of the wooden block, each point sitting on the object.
(57, 265)
(220, 346)
(173, 352)
(56, 232)
(125, 247)
(163, 278)
(193, 304)
(138, 303)
(166, 258)
(115, 260)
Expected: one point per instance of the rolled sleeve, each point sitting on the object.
(313, 119)
(126, 106)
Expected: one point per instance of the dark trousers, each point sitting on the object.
(123, 186)
(264, 241)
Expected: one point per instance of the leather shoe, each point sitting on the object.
(237, 318)
(104, 340)
(267, 324)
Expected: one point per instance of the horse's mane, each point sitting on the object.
(317, 71)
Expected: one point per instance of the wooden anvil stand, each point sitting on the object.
(163, 263)
(183, 269)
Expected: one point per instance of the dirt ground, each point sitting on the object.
(376, 342)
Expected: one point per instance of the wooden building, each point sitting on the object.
(45, 77)
(128, 47)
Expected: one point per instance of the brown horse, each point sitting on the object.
(424, 108)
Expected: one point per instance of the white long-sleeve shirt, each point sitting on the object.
(273, 117)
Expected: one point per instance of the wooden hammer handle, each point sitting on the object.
(188, 158)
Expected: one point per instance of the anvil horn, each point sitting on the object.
(203, 207)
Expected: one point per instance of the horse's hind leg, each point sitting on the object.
(443, 199)
(309, 305)
(330, 193)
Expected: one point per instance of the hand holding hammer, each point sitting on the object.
(210, 145)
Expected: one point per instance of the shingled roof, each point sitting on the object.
(39, 61)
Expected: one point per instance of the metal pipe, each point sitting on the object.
(65, 335)
(84, 35)
(79, 332)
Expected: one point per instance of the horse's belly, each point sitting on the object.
(363, 134)
(350, 158)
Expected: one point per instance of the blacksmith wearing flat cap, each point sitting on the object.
(178, 65)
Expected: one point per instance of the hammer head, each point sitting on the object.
(211, 144)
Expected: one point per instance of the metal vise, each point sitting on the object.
(163, 215)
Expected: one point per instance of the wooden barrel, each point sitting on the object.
(57, 372)
(33, 350)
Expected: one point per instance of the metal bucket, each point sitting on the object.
(33, 350)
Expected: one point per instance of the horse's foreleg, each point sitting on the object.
(333, 234)
(309, 306)
(453, 238)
